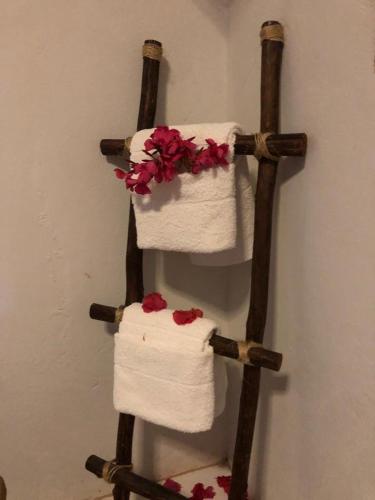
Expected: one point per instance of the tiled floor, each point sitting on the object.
(207, 476)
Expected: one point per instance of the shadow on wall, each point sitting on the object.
(161, 109)
(199, 445)
(3, 489)
(203, 287)
(206, 285)
(216, 11)
(160, 118)
(271, 383)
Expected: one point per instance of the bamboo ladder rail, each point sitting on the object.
(134, 255)
(256, 320)
(256, 356)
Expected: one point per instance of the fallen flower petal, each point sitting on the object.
(184, 317)
(200, 492)
(198, 313)
(153, 302)
(224, 482)
(172, 485)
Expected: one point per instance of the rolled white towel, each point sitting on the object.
(167, 373)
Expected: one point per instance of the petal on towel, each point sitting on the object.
(198, 313)
(172, 485)
(161, 138)
(153, 302)
(144, 174)
(152, 167)
(168, 168)
(217, 153)
(184, 317)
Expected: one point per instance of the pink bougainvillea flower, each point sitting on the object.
(130, 183)
(161, 137)
(154, 169)
(145, 171)
(172, 485)
(120, 174)
(217, 153)
(184, 317)
(179, 148)
(142, 189)
(201, 161)
(199, 492)
(213, 156)
(153, 302)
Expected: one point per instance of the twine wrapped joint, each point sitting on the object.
(111, 468)
(261, 148)
(273, 32)
(243, 350)
(152, 51)
(127, 144)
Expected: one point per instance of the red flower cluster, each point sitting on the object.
(154, 302)
(165, 149)
(185, 317)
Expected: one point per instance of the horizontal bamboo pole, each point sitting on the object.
(278, 145)
(223, 346)
(132, 482)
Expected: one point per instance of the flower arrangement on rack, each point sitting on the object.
(168, 154)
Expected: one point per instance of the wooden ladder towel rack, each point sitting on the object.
(119, 471)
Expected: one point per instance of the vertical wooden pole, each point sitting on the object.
(256, 322)
(134, 260)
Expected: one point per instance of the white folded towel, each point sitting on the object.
(209, 213)
(243, 248)
(167, 373)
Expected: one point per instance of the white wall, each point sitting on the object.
(70, 75)
(316, 425)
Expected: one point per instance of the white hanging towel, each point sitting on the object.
(167, 373)
(209, 215)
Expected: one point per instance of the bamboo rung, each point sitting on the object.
(132, 482)
(278, 145)
(256, 355)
